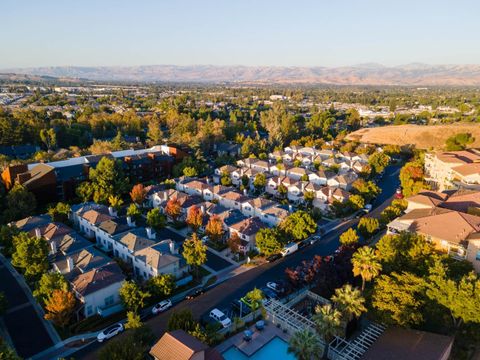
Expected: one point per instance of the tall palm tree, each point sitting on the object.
(305, 345)
(349, 301)
(366, 264)
(328, 321)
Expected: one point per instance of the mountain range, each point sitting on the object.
(416, 74)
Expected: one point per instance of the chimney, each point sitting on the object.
(278, 181)
(38, 233)
(208, 180)
(302, 186)
(290, 208)
(69, 264)
(150, 233)
(245, 192)
(172, 247)
(112, 211)
(330, 192)
(202, 209)
(130, 222)
(53, 247)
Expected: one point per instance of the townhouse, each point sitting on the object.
(247, 230)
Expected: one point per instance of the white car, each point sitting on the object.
(219, 316)
(273, 286)
(161, 307)
(205, 239)
(110, 332)
(314, 239)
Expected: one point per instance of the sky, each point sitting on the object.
(238, 32)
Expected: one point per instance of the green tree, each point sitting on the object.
(49, 282)
(269, 241)
(194, 253)
(154, 133)
(133, 346)
(7, 234)
(155, 219)
(299, 225)
(365, 264)
(133, 321)
(161, 285)
(134, 212)
(305, 345)
(59, 212)
(6, 353)
(389, 213)
(349, 238)
(190, 171)
(349, 301)
(461, 298)
(118, 143)
(49, 138)
(282, 191)
(356, 202)
(399, 299)
(309, 196)
(367, 226)
(255, 298)
(115, 202)
(108, 180)
(30, 255)
(367, 189)
(459, 141)
(132, 296)
(378, 161)
(260, 181)
(181, 320)
(328, 321)
(85, 191)
(225, 180)
(20, 203)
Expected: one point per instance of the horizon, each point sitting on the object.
(270, 33)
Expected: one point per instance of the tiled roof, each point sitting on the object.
(97, 279)
(249, 226)
(179, 345)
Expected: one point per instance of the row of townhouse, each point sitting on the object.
(453, 169)
(147, 253)
(447, 219)
(94, 277)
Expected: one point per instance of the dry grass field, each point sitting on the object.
(422, 137)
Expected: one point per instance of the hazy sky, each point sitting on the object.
(231, 32)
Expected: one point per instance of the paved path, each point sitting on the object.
(29, 333)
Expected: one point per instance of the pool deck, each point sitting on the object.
(259, 339)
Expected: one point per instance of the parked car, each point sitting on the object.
(269, 293)
(314, 239)
(274, 286)
(219, 316)
(205, 239)
(110, 332)
(367, 208)
(161, 306)
(273, 257)
(193, 294)
(289, 249)
(303, 243)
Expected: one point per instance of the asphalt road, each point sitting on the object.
(222, 295)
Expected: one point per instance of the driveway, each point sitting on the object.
(27, 331)
(215, 262)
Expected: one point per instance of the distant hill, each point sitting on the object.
(363, 74)
(423, 137)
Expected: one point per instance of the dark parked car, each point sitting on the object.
(274, 257)
(195, 293)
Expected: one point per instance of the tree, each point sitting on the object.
(59, 212)
(133, 346)
(138, 194)
(328, 321)
(85, 191)
(155, 219)
(154, 133)
(132, 296)
(190, 171)
(181, 320)
(356, 202)
(349, 238)
(349, 301)
(107, 180)
(305, 345)
(214, 229)
(194, 252)
(59, 306)
(20, 203)
(389, 213)
(379, 161)
(399, 299)
(49, 282)
(282, 191)
(225, 180)
(412, 178)
(49, 138)
(260, 181)
(367, 226)
(299, 225)
(255, 297)
(234, 243)
(365, 264)
(367, 189)
(269, 241)
(30, 255)
(115, 202)
(173, 208)
(134, 212)
(461, 298)
(6, 353)
(161, 285)
(459, 141)
(7, 234)
(118, 143)
(194, 218)
(133, 321)
(309, 196)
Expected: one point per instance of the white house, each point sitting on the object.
(88, 216)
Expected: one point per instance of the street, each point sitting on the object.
(222, 295)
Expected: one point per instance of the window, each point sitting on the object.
(109, 300)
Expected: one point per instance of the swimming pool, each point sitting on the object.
(274, 349)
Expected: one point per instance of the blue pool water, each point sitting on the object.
(275, 349)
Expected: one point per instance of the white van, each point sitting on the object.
(219, 316)
(289, 249)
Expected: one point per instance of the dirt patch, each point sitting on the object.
(422, 137)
